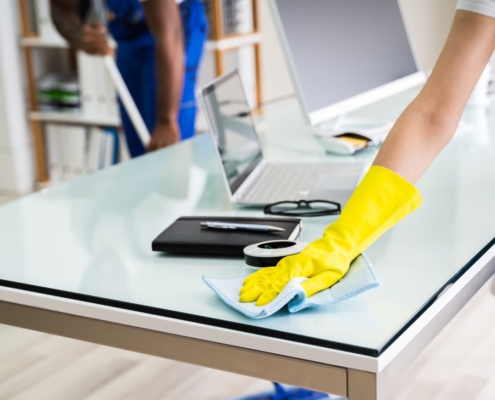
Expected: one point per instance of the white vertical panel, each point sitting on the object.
(247, 70)
(276, 78)
(428, 23)
(16, 162)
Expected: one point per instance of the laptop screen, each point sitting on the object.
(232, 126)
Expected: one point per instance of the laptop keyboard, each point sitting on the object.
(284, 181)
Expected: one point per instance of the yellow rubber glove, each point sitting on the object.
(381, 200)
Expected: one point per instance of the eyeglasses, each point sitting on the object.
(303, 208)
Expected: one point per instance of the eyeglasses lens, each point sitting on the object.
(304, 208)
(285, 208)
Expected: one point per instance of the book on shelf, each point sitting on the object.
(244, 17)
(77, 144)
(109, 148)
(74, 151)
(54, 153)
(237, 16)
(98, 96)
(92, 150)
(60, 92)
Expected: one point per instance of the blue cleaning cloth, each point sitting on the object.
(360, 278)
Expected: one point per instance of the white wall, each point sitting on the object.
(16, 158)
(428, 23)
(276, 77)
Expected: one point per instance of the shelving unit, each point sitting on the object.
(220, 42)
(80, 119)
(33, 44)
(36, 126)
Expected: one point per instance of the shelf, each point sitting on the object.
(234, 42)
(228, 43)
(53, 43)
(37, 42)
(74, 118)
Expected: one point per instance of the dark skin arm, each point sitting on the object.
(90, 38)
(164, 20)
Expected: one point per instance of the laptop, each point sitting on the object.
(250, 179)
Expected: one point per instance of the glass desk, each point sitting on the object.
(76, 260)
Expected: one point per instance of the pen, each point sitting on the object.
(229, 226)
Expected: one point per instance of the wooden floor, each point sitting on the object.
(459, 364)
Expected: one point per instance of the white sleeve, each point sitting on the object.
(485, 7)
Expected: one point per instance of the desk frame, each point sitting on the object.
(345, 374)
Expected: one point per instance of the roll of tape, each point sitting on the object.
(268, 254)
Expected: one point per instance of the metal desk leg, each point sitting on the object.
(366, 385)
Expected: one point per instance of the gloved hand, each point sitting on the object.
(381, 200)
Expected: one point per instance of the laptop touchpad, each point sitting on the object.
(333, 188)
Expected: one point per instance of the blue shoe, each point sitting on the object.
(288, 393)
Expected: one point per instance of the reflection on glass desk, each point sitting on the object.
(93, 237)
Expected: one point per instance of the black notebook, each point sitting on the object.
(186, 235)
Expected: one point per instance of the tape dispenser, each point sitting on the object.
(268, 254)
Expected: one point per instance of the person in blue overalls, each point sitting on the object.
(160, 44)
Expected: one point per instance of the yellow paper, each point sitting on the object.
(357, 143)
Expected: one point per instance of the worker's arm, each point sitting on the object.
(164, 20)
(90, 38)
(430, 121)
(386, 194)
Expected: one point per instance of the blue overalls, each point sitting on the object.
(136, 62)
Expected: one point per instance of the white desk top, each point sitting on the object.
(93, 236)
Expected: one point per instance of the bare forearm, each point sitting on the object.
(414, 142)
(429, 123)
(66, 20)
(164, 21)
(90, 38)
(169, 76)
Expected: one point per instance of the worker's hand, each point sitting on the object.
(381, 200)
(94, 40)
(164, 135)
(323, 261)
